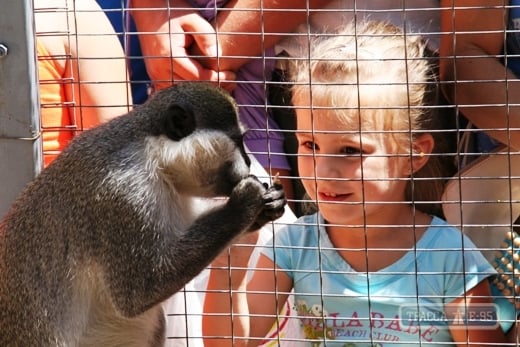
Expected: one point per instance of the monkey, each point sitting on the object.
(110, 229)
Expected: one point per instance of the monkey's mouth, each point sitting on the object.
(227, 177)
(225, 188)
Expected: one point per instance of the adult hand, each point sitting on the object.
(167, 37)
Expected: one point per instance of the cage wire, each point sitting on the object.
(480, 195)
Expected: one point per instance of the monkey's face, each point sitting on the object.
(199, 143)
(207, 163)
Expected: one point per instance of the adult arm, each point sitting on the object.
(104, 92)
(95, 63)
(473, 334)
(245, 29)
(471, 71)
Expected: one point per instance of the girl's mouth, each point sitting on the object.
(322, 196)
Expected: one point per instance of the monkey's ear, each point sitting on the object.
(179, 122)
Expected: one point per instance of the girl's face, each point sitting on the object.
(354, 177)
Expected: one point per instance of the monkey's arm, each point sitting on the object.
(179, 258)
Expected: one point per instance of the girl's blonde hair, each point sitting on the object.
(374, 77)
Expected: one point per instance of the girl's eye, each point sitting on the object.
(309, 145)
(351, 151)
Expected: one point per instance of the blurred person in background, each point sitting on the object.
(82, 71)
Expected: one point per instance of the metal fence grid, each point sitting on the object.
(481, 199)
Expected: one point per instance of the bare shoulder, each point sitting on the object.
(51, 25)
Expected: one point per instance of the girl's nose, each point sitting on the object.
(327, 167)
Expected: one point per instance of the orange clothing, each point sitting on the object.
(57, 117)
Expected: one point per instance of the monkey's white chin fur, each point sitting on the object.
(193, 165)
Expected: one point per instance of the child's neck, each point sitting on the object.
(377, 245)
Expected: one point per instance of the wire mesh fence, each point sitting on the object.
(392, 126)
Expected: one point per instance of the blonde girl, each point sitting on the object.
(375, 265)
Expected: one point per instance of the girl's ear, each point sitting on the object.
(422, 147)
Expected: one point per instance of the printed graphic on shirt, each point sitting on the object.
(377, 328)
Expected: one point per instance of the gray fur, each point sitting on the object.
(108, 231)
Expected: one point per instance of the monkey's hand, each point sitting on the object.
(274, 202)
(257, 202)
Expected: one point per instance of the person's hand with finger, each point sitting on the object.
(167, 39)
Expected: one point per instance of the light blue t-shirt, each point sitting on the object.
(402, 304)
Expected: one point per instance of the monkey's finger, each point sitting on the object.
(275, 204)
(265, 185)
(274, 214)
(273, 194)
(278, 184)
